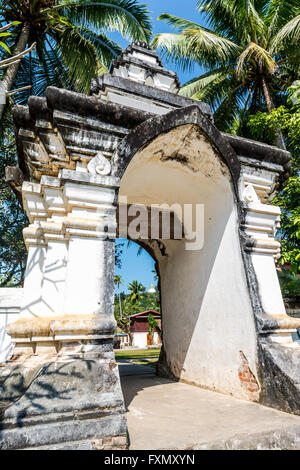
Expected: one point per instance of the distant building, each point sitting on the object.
(139, 329)
(151, 290)
(121, 339)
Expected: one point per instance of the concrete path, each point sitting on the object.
(163, 414)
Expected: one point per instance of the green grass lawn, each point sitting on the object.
(139, 356)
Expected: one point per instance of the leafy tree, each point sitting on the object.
(135, 302)
(152, 324)
(118, 254)
(289, 201)
(250, 49)
(12, 219)
(136, 290)
(71, 39)
(118, 281)
(4, 33)
(150, 301)
(289, 283)
(128, 308)
(262, 126)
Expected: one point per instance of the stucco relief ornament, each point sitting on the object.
(250, 195)
(99, 165)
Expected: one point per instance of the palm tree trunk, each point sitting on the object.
(120, 305)
(270, 106)
(11, 71)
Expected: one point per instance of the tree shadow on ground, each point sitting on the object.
(27, 391)
(136, 377)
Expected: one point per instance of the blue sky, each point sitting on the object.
(140, 267)
(135, 267)
(183, 8)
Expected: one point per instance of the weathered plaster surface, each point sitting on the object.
(203, 312)
(225, 326)
(10, 302)
(85, 396)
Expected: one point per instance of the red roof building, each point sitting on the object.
(139, 321)
(139, 329)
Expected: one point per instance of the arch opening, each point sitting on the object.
(137, 296)
(204, 300)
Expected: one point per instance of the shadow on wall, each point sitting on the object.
(188, 279)
(43, 280)
(206, 311)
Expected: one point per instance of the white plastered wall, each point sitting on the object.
(140, 339)
(207, 316)
(10, 302)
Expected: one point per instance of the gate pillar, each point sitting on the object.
(62, 388)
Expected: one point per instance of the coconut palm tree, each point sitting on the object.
(136, 290)
(250, 50)
(118, 281)
(70, 36)
(155, 273)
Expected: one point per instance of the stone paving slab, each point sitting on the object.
(163, 414)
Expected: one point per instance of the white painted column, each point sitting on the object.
(31, 305)
(261, 223)
(57, 247)
(89, 283)
(269, 287)
(91, 230)
(54, 277)
(73, 279)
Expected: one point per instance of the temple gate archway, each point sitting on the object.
(79, 156)
(201, 312)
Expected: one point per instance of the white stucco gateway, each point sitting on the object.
(224, 323)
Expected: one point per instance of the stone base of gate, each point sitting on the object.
(65, 399)
(280, 376)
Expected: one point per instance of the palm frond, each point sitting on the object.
(280, 12)
(227, 16)
(128, 17)
(211, 46)
(249, 7)
(198, 45)
(175, 47)
(220, 15)
(52, 62)
(289, 33)
(258, 56)
(262, 7)
(79, 55)
(40, 71)
(214, 92)
(107, 50)
(10, 41)
(231, 106)
(224, 93)
(178, 22)
(194, 88)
